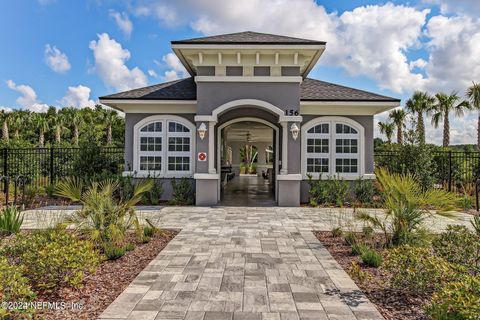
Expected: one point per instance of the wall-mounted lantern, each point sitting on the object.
(202, 130)
(295, 130)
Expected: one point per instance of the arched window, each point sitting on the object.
(163, 146)
(332, 146)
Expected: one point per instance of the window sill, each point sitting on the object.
(153, 174)
(347, 177)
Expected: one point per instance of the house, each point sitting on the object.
(248, 126)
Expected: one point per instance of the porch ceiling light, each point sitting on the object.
(295, 130)
(202, 130)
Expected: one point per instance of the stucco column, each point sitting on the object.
(284, 169)
(211, 147)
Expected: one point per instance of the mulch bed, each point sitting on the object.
(392, 304)
(110, 279)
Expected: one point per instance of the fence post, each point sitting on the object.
(449, 170)
(477, 190)
(52, 174)
(5, 169)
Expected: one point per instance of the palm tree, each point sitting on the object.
(5, 134)
(58, 127)
(418, 104)
(398, 117)
(41, 123)
(473, 94)
(109, 119)
(444, 104)
(77, 121)
(16, 122)
(387, 129)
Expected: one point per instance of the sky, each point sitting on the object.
(68, 53)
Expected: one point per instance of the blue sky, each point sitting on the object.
(58, 52)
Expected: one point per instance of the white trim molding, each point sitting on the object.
(349, 108)
(151, 106)
(144, 174)
(253, 119)
(293, 79)
(289, 177)
(332, 147)
(164, 153)
(206, 176)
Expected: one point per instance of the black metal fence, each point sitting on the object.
(43, 166)
(454, 170)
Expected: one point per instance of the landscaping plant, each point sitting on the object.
(407, 204)
(11, 219)
(14, 288)
(332, 191)
(417, 270)
(103, 216)
(53, 257)
(371, 257)
(182, 192)
(457, 300)
(460, 246)
(364, 191)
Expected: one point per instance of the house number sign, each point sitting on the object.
(291, 112)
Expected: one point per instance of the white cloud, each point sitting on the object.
(78, 97)
(176, 69)
(28, 99)
(454, 53)
(371, 40)
(56, 60)
(123, 22)
(152, 73)
(5, 109)
(110, 60)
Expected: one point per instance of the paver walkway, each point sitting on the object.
(243, 263)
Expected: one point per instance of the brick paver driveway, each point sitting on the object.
(241, 263)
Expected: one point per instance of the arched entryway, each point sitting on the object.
(247, 155)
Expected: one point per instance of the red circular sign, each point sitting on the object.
(202, 156)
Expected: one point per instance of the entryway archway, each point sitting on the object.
(247, 155)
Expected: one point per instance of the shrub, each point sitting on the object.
(50, 190)
(337, 191)
(129, 247)
(114, 252)
(407, 205)
(148, 231)
(358, 274)
(457, 300)
(104, 217)
(318, 190)
(466, 202)
(367, 231)
(337, 232)
(476, 224)
(14, 287)
(182, 192)
(54, 257)
(364, 191)
(154, 195)
(371, 258)
(418, 270)
(350, 238)
(458, 245)
(10, 221)
(359, 248)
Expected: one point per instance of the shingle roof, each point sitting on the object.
(316, 90)
(310, 90)
(182, 89)
(248, 37)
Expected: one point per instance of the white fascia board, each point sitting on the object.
(248, 46)
(345, 107)
(147, 106)
(294, 79)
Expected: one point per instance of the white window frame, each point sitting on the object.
(332, 155)
(165, 153)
